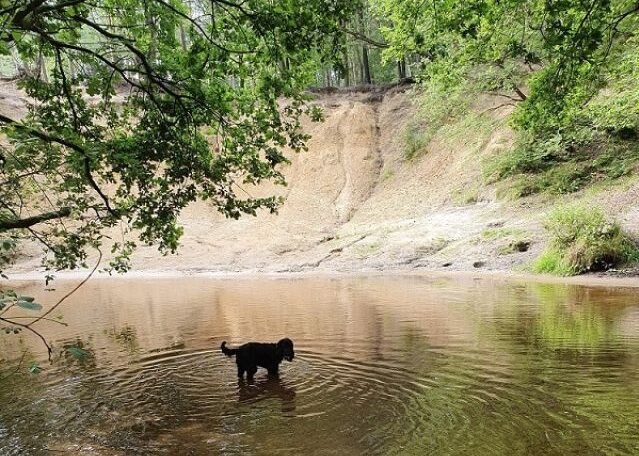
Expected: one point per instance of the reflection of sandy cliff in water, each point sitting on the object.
(378, 313)
(389, 359)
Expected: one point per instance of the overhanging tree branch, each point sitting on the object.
(362, 37)
(13, 224)
(55, 139)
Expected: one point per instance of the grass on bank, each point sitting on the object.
(583, 240)
(554, 168)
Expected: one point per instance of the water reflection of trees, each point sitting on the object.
(462, 368)
(565, 341)
(559, 378)
(126, 337)
(558, 317)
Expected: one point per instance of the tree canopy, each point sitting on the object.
(137, 109)
(563, 50)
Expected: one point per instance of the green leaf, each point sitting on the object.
(77, 352)
(35, 369)
(28, 305)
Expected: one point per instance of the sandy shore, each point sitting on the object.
(591, 280)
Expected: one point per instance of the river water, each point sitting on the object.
(384, 365)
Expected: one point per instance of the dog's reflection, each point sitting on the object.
(265, 388)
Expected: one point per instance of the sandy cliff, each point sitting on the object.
(354, 202)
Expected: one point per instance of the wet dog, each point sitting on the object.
(252, 355)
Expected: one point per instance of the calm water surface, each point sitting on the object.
(384, 365)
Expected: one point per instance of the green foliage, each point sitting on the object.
(77, 353)
(597, 141)
(388, 174)
(415, 139)
(26, 302)
(35, 369)
(9, 298)
(466, 195)
(513, 247)
(438, 106)
(492, 234)
(583, 240)
(560, 165)
(7, 253)
(569, 68)
(512, 240)
(185, 104)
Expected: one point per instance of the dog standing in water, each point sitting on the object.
(252, 355)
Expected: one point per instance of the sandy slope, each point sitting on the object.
(354, 203)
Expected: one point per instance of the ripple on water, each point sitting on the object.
(419, 377)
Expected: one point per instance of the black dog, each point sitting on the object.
(253, 354)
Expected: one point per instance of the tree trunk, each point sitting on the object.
(41, 69)
(73, 69)
(401, 69)
(183, 37)
(347, 70)
(21, 68)
(367, 69)
(358, 67)
(153, 31)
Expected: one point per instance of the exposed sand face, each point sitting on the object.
(354, 203)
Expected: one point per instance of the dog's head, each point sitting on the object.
(285, 349)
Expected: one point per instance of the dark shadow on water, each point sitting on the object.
(266, 388)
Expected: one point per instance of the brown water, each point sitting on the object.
(384, 365)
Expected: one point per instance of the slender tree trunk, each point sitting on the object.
(367, 68)
(41, 68)
(20, 67)
(359, 66)
(152, 27)
(347, 70)
(73, 68)
(401, 68)
(353, 71)
(183, 37)
(213, 6)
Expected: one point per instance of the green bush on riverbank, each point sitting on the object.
(582, 240)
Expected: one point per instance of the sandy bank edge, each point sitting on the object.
(590, 280)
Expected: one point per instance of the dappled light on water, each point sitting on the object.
(383, 365)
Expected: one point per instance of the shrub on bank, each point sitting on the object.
(583, 240)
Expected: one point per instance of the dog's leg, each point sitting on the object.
(273, 370)
(250, 371)
(240, 370)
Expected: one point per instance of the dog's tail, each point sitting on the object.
(228, 351)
